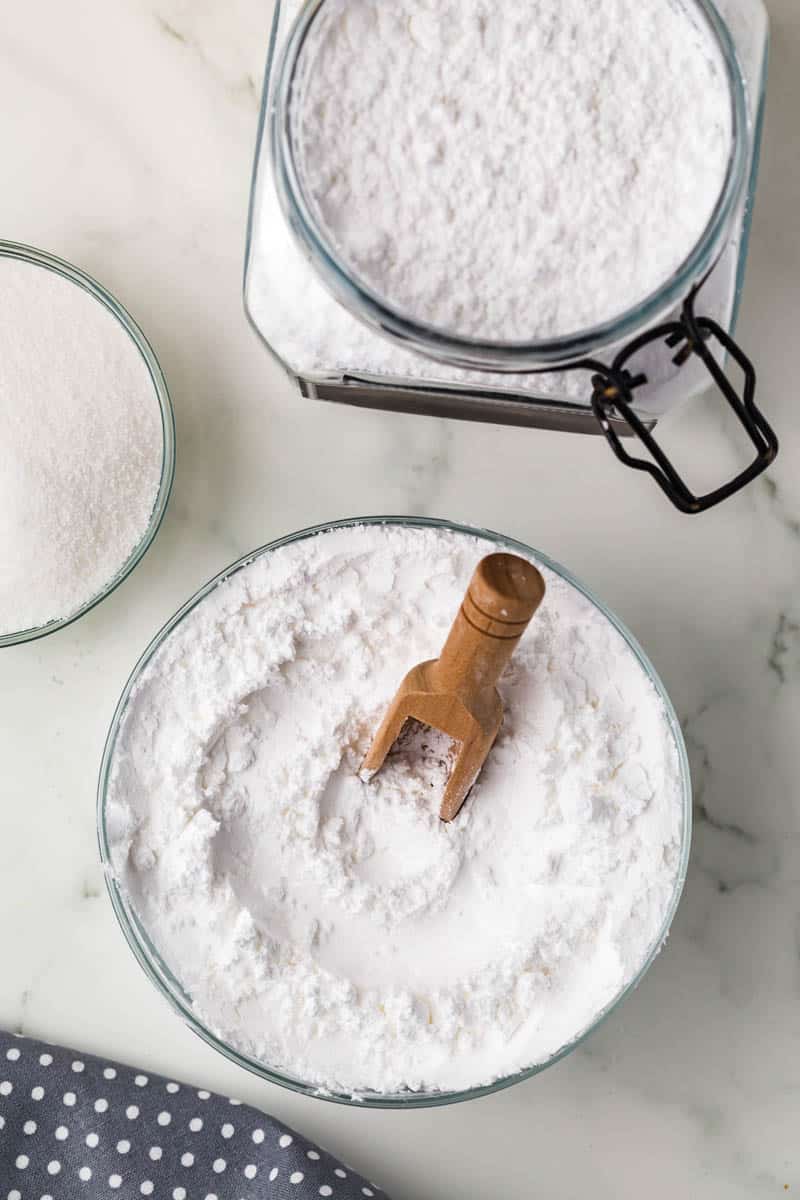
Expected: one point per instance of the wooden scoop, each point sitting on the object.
(456, 693)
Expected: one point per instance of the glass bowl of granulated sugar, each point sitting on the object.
(87, 450)
(331, 934)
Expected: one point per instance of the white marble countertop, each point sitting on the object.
(127, 135)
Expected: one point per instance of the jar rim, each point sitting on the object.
(457, 350)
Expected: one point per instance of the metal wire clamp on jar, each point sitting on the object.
(618, 359)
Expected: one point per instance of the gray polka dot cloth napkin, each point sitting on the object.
(75, 1127)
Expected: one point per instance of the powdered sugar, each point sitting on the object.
(81, 447)
(512, 172)
(338, 930)
(317, 337)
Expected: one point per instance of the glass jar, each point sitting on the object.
(618, 379)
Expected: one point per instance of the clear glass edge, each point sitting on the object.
(66, 270)
(255, 183)
(757, 139)
(170, 988)
(502, 357)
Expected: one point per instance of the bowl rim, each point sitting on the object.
(59, 266)
(170, 987)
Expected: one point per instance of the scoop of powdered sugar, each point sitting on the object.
(81, 447)
(336, 929)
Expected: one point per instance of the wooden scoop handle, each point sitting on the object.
(503, 596)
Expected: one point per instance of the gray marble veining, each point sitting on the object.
(128, 134)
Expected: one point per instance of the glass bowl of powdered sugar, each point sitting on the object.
(332, 935)
(87, 451)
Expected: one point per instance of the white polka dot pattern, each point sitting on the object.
(85, 1128)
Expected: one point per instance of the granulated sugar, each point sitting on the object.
(81, 446)
(517, 171)
(337, 930)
